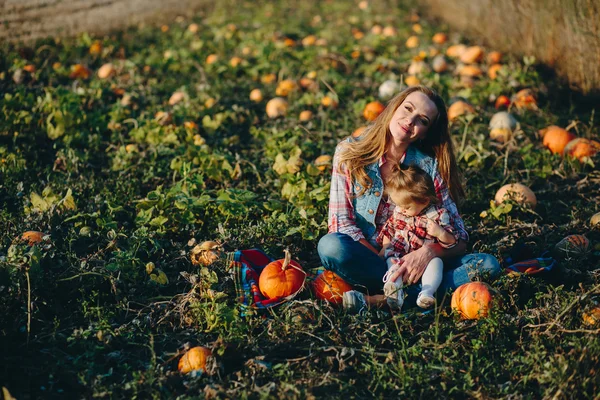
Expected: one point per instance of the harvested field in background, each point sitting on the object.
(565, 35)
(27, 20)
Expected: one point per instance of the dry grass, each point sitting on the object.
(565, 35)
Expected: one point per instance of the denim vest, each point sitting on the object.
(366, 205)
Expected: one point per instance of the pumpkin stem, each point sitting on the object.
(287, 259)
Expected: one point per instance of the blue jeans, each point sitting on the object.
(364, 270)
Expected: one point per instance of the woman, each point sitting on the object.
(412, 130)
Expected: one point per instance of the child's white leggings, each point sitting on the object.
(432, 277)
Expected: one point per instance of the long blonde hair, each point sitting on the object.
(358, 154)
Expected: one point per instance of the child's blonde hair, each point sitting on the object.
(413, 182)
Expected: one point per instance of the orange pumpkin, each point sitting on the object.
(329, 101)
(372, 110)
(212, 58)
(330, 287)
(493, 70)
(359, 131)
(285, 87)
(556, 138)
(33, 237)
(472, 300)
(592, 317)
(322, 162)
(256, 95)
(79, 71)
(439, 38)
(412, 80)
(305, 115)
(502, 101)
(494, 57)
(582, 148)
(281, 278)
(472, 55)
(525, 99)
(277, 107)
(194, 359)
(459, 108)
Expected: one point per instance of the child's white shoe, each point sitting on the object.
(394, 295)
(425, 300)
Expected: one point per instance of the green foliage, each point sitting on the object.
(126, 184)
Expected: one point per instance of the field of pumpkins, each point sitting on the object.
(134, 165)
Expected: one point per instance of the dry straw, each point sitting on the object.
(564, 34)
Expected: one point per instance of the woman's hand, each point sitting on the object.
(413, 264)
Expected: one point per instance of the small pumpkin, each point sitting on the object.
(595, 220)
(525, 99)
(412, 80)
(211, 59)
(472, 55)
(581, 148)
(309, 84)
(493, 70)
(309, 40)
(412, 42)
(456, 50)
(330, 287)
(556, 138)
(388, 89)
(33, 237)
(80, 71)
(359, 131)
(329, 102)
(390, 31)
(281, 278)
(494, 57)
(96, 48)
(372, 110)
(176, 97)
(472, 300)
(517, 192)
(277, 107)
(459, 108)
(268, 78)
(572, 246)
(417, 67)
(205, 253)
(502, 126)
(471, 71)
(194, 359)
(285, 87)
(439, 38)
(322, 162)
(502, 102)
(439, 64)
(256, 95)
(164, 118)
(235, 61)
(305, 115)
(106, 71)
(592, 317)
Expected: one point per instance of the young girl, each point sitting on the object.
(416, 220)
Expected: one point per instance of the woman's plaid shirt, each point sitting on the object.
(341, 216)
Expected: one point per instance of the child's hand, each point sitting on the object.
(434, 229)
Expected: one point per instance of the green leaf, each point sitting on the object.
(39, 204)
(159, 221)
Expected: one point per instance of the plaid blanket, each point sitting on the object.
(515, 264)
(246, 266)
